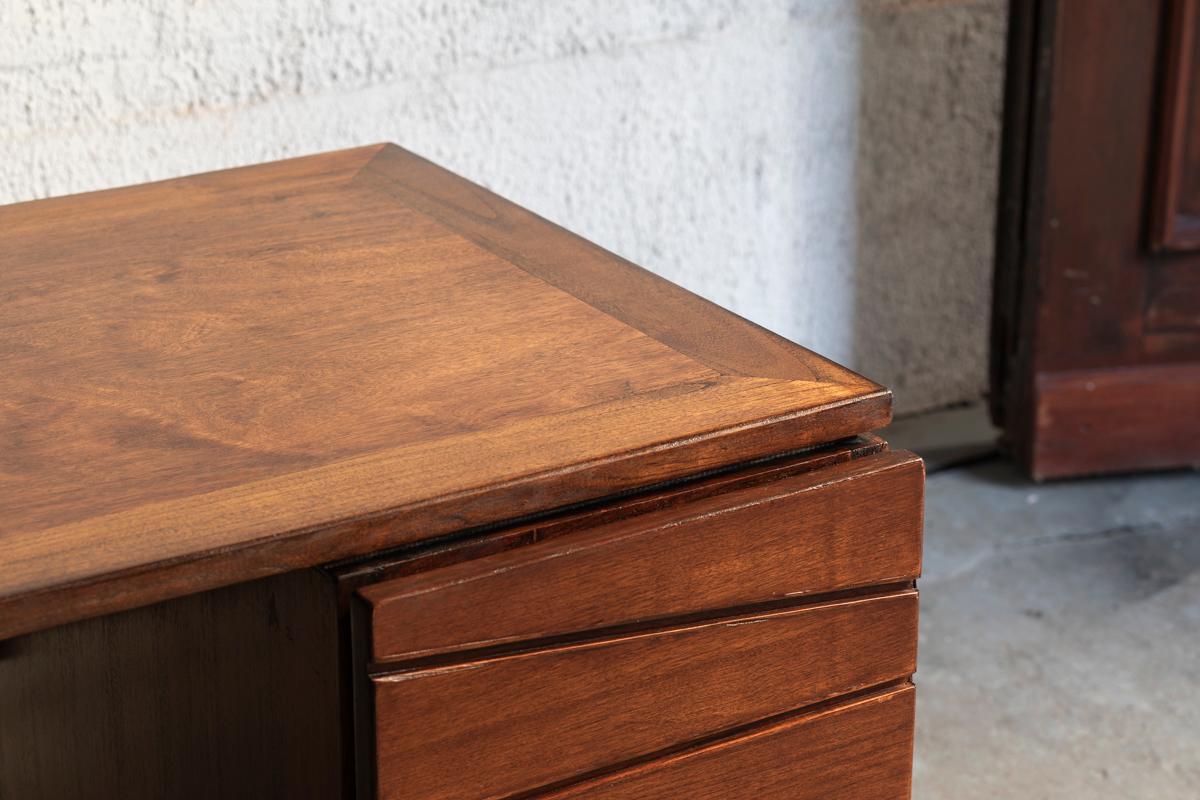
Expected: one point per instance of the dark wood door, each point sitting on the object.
(1096, 327)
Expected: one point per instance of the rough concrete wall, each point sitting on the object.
(824, 167)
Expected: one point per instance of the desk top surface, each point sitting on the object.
(229, 375)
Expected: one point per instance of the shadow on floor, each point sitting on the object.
(1060, 637)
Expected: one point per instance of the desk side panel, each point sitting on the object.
(229, 693)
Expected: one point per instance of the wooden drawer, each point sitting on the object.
(849, 525)
(489, 727)
(860, 750)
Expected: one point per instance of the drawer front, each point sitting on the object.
(524, 720)
(857, 751)
(850, 525)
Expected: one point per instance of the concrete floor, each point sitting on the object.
(1060, 637)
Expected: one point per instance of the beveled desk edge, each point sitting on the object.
(762, 406)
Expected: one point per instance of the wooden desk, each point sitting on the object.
(342, 476)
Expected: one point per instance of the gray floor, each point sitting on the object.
(1060, 636)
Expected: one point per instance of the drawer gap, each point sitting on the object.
(651, 626)
(812, 709)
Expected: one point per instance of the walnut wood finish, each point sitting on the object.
(185, 692)
(861, 750)
(848, 525)
(605, 529)
(1097, 272)
(232, 375)
(235, 692)
(676, 494)
(492, 727)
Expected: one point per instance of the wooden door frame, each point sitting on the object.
(1071, 412)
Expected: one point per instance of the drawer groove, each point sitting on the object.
(715, 740)
(353, 574)
(656, 625)
(499, 726)
(856, 748)
(850, 525)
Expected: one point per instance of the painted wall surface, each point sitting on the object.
(826, 168)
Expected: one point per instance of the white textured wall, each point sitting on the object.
(824, 167)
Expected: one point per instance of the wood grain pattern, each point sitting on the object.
(1105, 420)
(229, 693)
(1096, 271)
(858, 751)
(422, 558)
(227, 376)
(848, 525)
(683, 321)
(1091, 263)
(514, 722)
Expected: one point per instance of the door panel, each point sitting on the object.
(1096, 339)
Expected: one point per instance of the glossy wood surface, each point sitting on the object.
(514, 722)
(847, 525)
(231, 375)
(356, 575)
(861, 750)
(231, 693)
